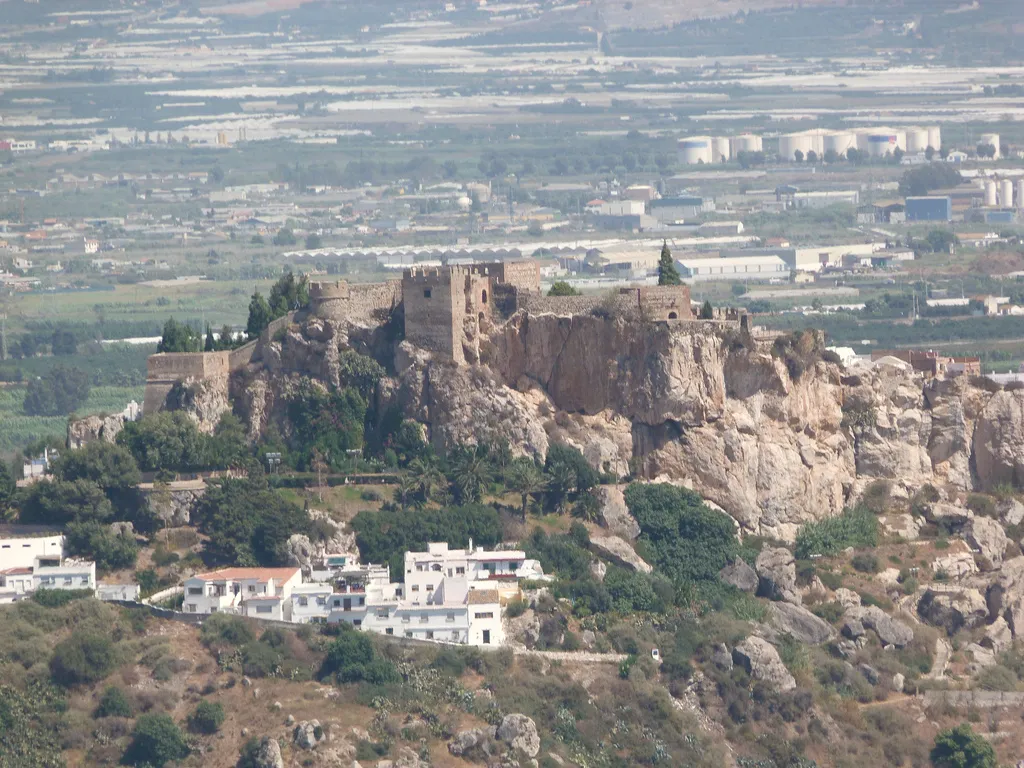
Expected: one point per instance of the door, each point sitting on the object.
(487, 637)
(348, 603)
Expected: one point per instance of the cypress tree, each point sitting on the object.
(667, 272)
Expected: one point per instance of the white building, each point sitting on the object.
(257, 592)
(69, 574)
(22, 546)
(738, 268)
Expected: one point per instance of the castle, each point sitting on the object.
(447, 310)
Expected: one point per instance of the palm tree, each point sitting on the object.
(525, 478)
(471, 472)
(430, 480)
(561, 483)
(404, 490)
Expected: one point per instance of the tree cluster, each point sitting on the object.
(58, 392)
(287, 294)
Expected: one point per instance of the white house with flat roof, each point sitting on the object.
(229, 589)
(68, 574)
(22, 545)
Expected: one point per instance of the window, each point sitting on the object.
(483, 297)
(382, 613)
(436, 567)
(357, 623)
(450, 616)
(264, 609)
(426, 293)
(362, 601)
(459, 570)
(419, 567)
(195, 590)
(389, 631)
(85, 581)
(7, 546)
(321, 601)
(337, 602)
(303, 602)
(252, 587)
(430, 634)
(408, 633)
(67, 581)
(430, 587)
(415, 587)
(405, 618)
(488, 615)
(190, 608)
(673, 316)
(424, 618)
(449, 572)
(455, 635)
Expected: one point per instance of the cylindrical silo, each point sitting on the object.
(840, 142)
(990, 138)
(791, 143)
(917, 140)
(1006, 194)
(720, 149)
(1020, 193)
(990, 194)
(935, 137)
(746, 142)
(882, 143)
(694, 150)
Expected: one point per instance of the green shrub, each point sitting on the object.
(876, 496)
(227, 630)
(865, 563)
(997, 678)
(831, 580)
(961, 747)
(853, 528)
(206, 718)
(56, 598)
(830, 612)
(351, 658)
(83, 658)
(981, 504)
(156, 741)
(113, 703)
(516, 608)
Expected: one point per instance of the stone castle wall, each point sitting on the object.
(165, 369)
(663, 302)
(357, 302)
(435, 307)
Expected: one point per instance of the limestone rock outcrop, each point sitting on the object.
(89, 429)
(520, 732)
(762, 662)
(776, 571)
(953, 608)
(614, 515)
(801, 624)
(739, 575)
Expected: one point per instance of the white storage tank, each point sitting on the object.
(746, 142)
(1020, 193)
(720, 149)
(1006, 194)
(791, 143)
(990, 194)
(884, 142)
(990, 138)
(694, 150)
(839, 142)
(935, 137)
(917, 140)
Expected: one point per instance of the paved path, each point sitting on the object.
(943, 650)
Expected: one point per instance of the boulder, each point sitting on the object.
(1011, 512)
(904, 525)
(949, 515)
(988, 537)
(870, 673)
(998, 636)
(308, 734)
(614, 514)
(853, 628)
(898, 681)
(598, 569)
(847, 598)
(465, 742)
(520, 732)
(955, 565)
(983, 657)
(620, 552)
(952, 608)
(721, 657)
(762, 662)
(739, 575)
(776, 571)
(797, 621)
(269, 754)
(889, 630)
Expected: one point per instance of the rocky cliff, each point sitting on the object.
(689, 403)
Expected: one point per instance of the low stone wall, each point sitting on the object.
(977, 699)
(538, 304)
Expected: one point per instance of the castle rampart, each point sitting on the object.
(164, 370)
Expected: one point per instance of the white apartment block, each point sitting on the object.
(257, 592)
(69, 574)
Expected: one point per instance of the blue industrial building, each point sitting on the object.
(929, 209)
